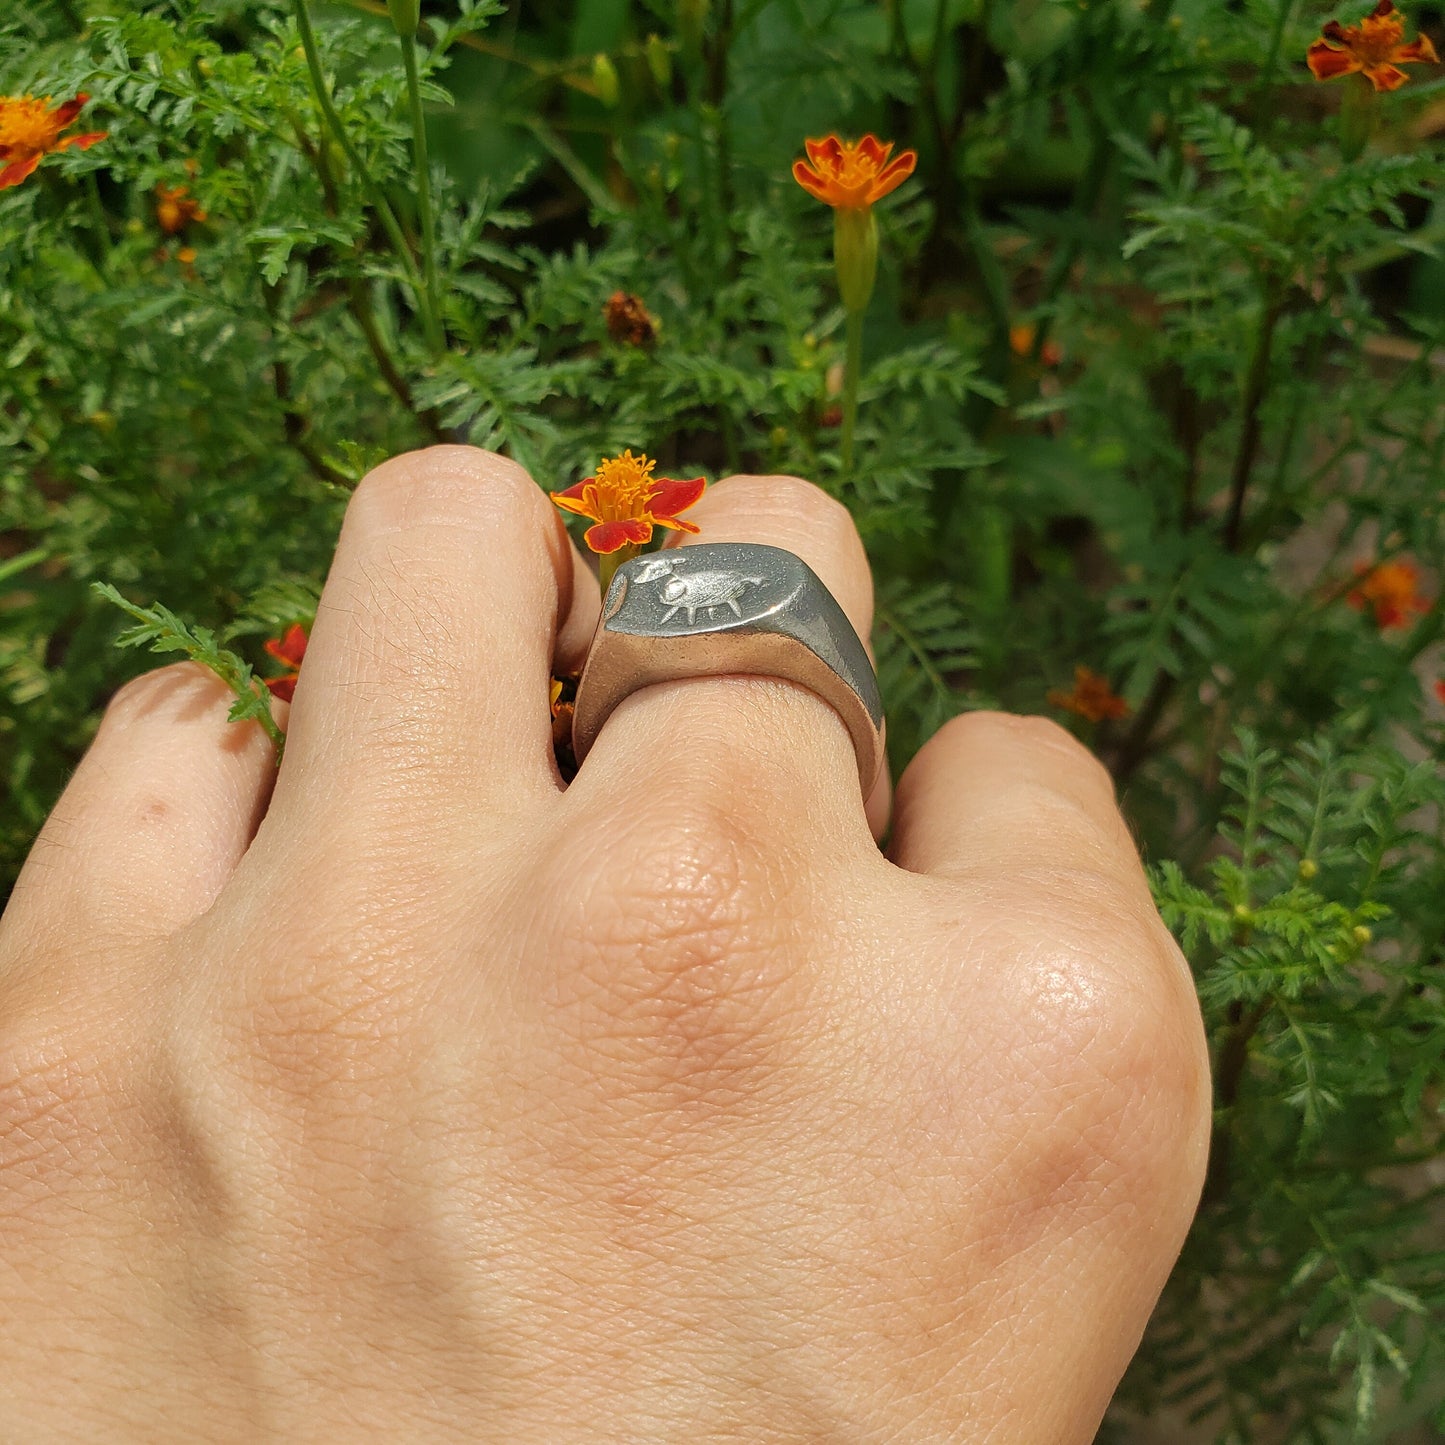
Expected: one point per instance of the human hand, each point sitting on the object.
(427, 1099)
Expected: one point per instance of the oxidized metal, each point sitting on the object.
(717, 608)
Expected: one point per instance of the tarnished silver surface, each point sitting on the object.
(722, 608)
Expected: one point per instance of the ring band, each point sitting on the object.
(719, 608)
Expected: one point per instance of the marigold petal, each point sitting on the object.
(83, 141)
(609, 536)
(673, 495)
(1328, 63)
(893, 175)
(65, 113)
(1419, 51)
(1384, 8)
(283, 687)
(291, 647)
(875, 149)
(810, 180)
(580, 500)
(17, 171)
(1385, 77)
(1440, 689)
(824, 153)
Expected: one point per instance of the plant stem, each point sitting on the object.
(431, 316)
(1255, 383)
(373, 191)
(609, 562)
(852, 364)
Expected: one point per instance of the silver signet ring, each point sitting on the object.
(721, 608)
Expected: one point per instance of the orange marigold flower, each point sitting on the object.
(176, 208)
(1376, 46)
(1092, 697)
(288, 649)
(628, 320)
(29, 131)
(626, 502)
(1392, 589)
(852, 176)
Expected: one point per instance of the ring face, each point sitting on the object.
(717, 608)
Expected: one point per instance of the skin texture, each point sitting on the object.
(425, 1099)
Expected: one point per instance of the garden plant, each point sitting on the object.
(1118, 325)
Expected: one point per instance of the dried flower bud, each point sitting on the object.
(628, 320)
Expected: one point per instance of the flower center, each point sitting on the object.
(26, 125)
(623, 486)
(1375, 38)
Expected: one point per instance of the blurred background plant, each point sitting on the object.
(1149, 433)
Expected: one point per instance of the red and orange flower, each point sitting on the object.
(849, 175)
(1392, 590)
(288, 650)
(1376, 47)
(626, 502)
(1091, 697)
(29, 132)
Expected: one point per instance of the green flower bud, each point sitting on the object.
(604, 78)
(659, 61)
(1308, 868)
(1361, 934)
(855, 254)
(405, 16)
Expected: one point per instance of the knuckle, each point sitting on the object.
(1028, 734)
(1115, 1038)
(452, 485)
(141, 695)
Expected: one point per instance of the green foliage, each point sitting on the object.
(1153, 364)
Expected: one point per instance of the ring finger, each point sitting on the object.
(763, 741)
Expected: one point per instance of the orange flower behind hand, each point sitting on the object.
(626, 502)
(1091, 698)
(1376, 47)
(288, 650)
(28, 131)
(852, 176)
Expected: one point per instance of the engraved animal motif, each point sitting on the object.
(694, 592)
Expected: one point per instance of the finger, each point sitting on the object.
(425, 684)
(157, 815)
(771, 744)
(996, 794)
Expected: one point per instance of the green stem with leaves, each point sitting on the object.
(431, 315)
(378, 201)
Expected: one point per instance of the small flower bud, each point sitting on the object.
(1308, 868)
(779, 437)
(405, 16)
(604, 78)
(1361, 934)
(1243, 914)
